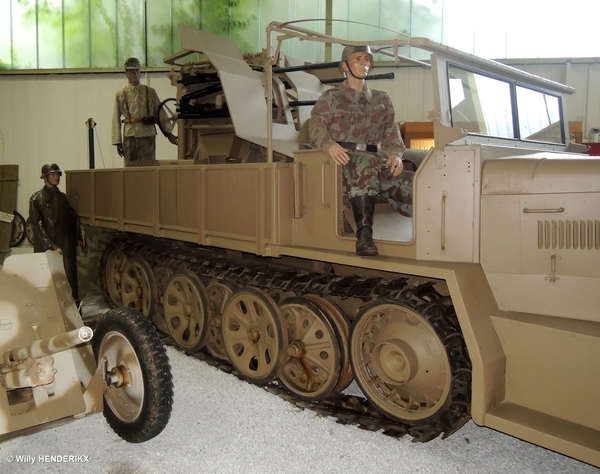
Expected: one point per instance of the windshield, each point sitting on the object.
(489, 106)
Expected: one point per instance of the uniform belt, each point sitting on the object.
(145, 120)
(359, 146)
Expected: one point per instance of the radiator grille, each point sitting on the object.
(563, 234)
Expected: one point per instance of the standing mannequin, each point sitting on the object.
(55, 223)
(138, 105)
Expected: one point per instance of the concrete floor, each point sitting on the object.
(221, 424)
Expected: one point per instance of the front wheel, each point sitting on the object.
(412, 364)
(138, 395)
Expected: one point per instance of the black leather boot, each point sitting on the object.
(364, 208)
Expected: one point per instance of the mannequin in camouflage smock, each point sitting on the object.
(138, 105)
(356, 127)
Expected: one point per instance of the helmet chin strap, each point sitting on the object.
(351, 72)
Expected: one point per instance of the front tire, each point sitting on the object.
(139, 388)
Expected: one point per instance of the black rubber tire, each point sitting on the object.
(18, 230)
(154, 366)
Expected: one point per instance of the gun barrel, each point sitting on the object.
(49, 346)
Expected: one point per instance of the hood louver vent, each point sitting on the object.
(564, 234)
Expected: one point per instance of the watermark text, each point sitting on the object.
(46, 458)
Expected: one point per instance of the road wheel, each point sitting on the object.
(254, 336)
(340, 325)
(112, 262)
(187, 313)
(139, 389)
(313, 368)
(411, 364)
(162, 274)
(138, 286)
(218, 292)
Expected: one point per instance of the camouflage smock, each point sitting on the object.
(344, 114)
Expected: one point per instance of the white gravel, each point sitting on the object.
(220, 424)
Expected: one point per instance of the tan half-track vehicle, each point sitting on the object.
(485, 304)
(55, 369)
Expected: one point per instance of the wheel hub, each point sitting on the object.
(395, 362)
(296, 349)
(118, 376)
(253, 335)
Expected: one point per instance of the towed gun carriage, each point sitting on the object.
(55, 369)
(475, 307)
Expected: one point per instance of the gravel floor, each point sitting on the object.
(220, 424)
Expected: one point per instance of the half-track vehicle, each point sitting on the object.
(55, 369)
(485, 304)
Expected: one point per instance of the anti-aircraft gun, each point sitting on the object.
(484, 304)
(54, 369)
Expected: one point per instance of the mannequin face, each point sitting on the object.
(133, 76)
(52, 179)
(359, 63)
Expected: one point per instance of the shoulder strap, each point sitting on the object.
(126, 102)
(148, 114)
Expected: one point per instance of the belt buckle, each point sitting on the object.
(361, 147)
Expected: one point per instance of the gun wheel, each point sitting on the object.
(407, 363)
(314, 364)
(186, 311)
(139, 388)
(112, 262)
(138, 286)
(254, 336)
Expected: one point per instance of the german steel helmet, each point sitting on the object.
(132, 63)
(50, 168)
(348, 50)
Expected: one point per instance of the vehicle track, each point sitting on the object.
(347, 409)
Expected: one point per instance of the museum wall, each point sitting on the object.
(44, 117)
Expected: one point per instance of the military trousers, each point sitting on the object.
(366, 175)
(139, 148)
